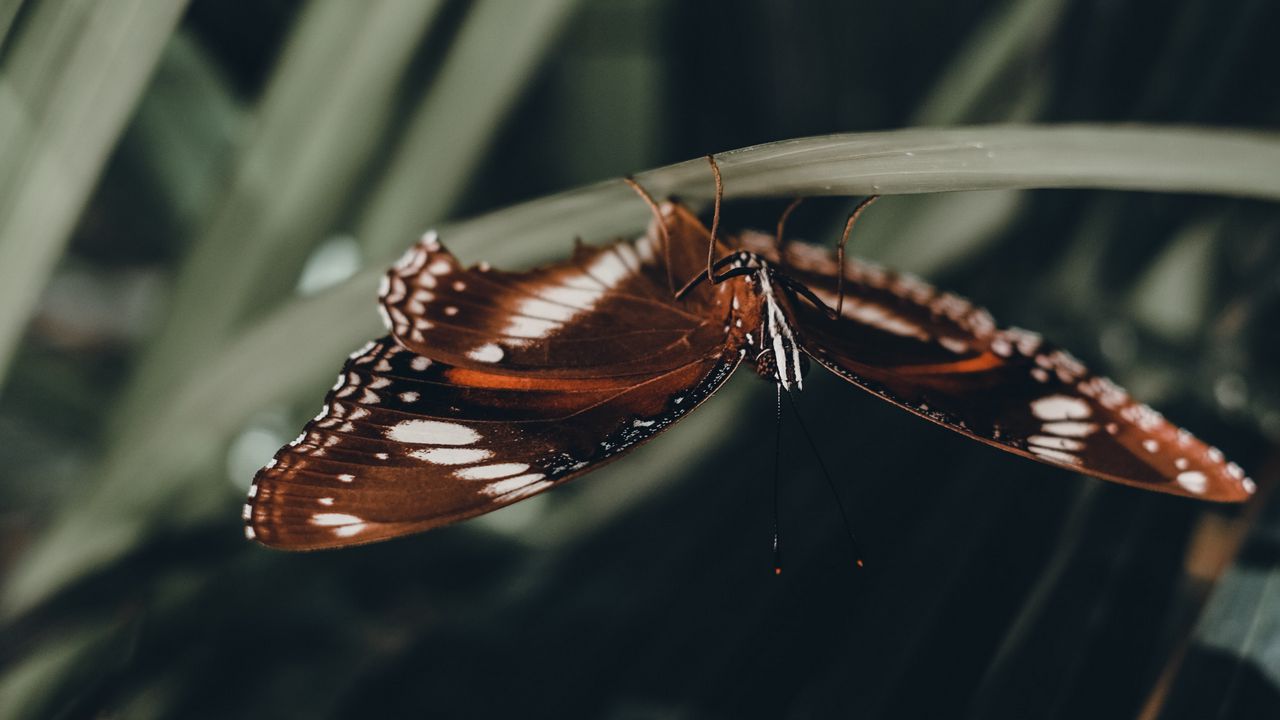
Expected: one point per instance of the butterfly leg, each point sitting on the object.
(715, 215)
(804, 292)
(717, 279)
(778, 238)
(844, 240)
(662, 226)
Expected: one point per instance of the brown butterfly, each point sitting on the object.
(494, 386)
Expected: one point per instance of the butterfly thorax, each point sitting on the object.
(761, 325)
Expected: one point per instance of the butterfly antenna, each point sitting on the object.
(779, 238)
(777, 466)
(844, 516)
(662, 226)
(715, 217)
(844, 239)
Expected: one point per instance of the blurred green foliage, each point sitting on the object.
(169, 172)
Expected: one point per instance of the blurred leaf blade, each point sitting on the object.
(29, 689)
(232, 254)
(925, 234)
(327, 102)
(1004, 42)
(71, 81)
(497, 49)
(965, 546)
(8, 9)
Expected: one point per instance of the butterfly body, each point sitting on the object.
(493, 386)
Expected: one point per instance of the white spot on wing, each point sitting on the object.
(1056, 443)
(628, 255)
(1193, 480)
(608, 269)
(502, 487)
(452, 456)
(488, 352)
(432, 432)
(249, 533)
(1055, 455)
(1060, 407)
(1150, 445)
(527, 327)
(1070, 429)
(583, 281)
(644, 249)
(582, 298)
(334, 519)
(491, 472)
(877, 316)
(545, 310)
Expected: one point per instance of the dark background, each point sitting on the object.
(994, 587)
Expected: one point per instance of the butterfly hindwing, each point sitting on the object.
(939, 356)
(405, 444)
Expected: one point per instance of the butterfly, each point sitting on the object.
(493, 386)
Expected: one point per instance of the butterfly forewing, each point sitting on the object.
(607, 310)
(942, 358)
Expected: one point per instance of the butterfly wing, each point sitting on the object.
(607, 310)
(405, 444)
(944, 359)
(495, 386)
